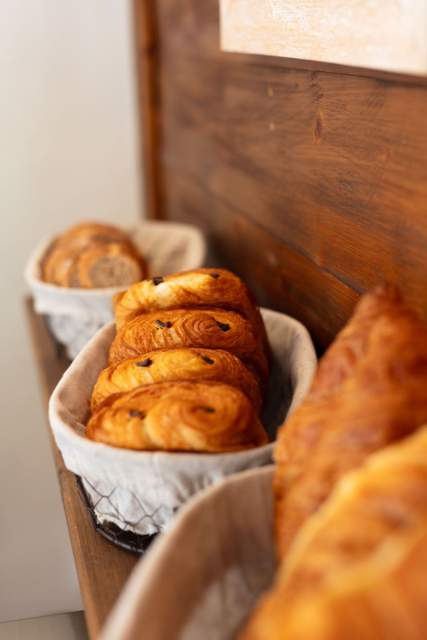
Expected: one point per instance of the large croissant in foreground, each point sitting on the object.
(370, 390)
(350, 507)
(357, 570)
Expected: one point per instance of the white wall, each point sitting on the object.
(68, 150)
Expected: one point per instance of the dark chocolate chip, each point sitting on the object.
(163, 325)
(214, 275)
(207, 359)
(144, 363)
(223, 326)
(207, 409)
(157, 280)
(134, 413)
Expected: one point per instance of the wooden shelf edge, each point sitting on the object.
(102, 568)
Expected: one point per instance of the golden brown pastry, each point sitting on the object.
(82, 234)
(207, 328)
(370, 392)
(357, 568)
(93, 255)
(58, 264)
(190, 289)
(179, 416)
(352, 341)
(173, 365)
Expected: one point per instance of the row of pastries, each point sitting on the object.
(187, 368)
(350, 489)
(187, 372)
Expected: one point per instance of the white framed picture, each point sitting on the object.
(389, 35)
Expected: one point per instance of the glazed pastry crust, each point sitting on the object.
(357, 569)
(199, 328)
(370, 391)
(190, 289)
(180, 416)
(173, 365)
(85, 232)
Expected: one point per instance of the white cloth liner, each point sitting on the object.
(75, 315)
(140, 491)
(203, 577)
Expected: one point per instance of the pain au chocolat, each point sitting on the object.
(196, 328)
(207, 417)
(357, 568)
(370, 390)
(190, 289)
(172, 365)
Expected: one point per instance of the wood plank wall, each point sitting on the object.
(311, 179)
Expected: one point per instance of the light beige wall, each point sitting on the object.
(68, 149)
(380, 34)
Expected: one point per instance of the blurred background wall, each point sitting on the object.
(69, 150)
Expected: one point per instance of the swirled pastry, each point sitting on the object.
(207, 328)
(173, 365)
(190, 289)
(357, 569)
(367, 396)
(93, 255)
(179, 416)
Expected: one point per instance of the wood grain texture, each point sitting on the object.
(102, 568)
(146, 52)
(385, 34)
(327, 167)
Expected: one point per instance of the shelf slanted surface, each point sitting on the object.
(102, 568)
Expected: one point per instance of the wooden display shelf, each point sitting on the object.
(102, 568)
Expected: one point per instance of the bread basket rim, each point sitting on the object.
(33, 280)
(64, 431)
(123, 618)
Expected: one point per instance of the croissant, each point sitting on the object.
(357, 568)
(92, 255)
(172, 365)
(190, 289)
(369, 392)
(207, 328)
(179, 416)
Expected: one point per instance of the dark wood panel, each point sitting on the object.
(146, 57)
(331, 166)
(102, 568)
(279, 276)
